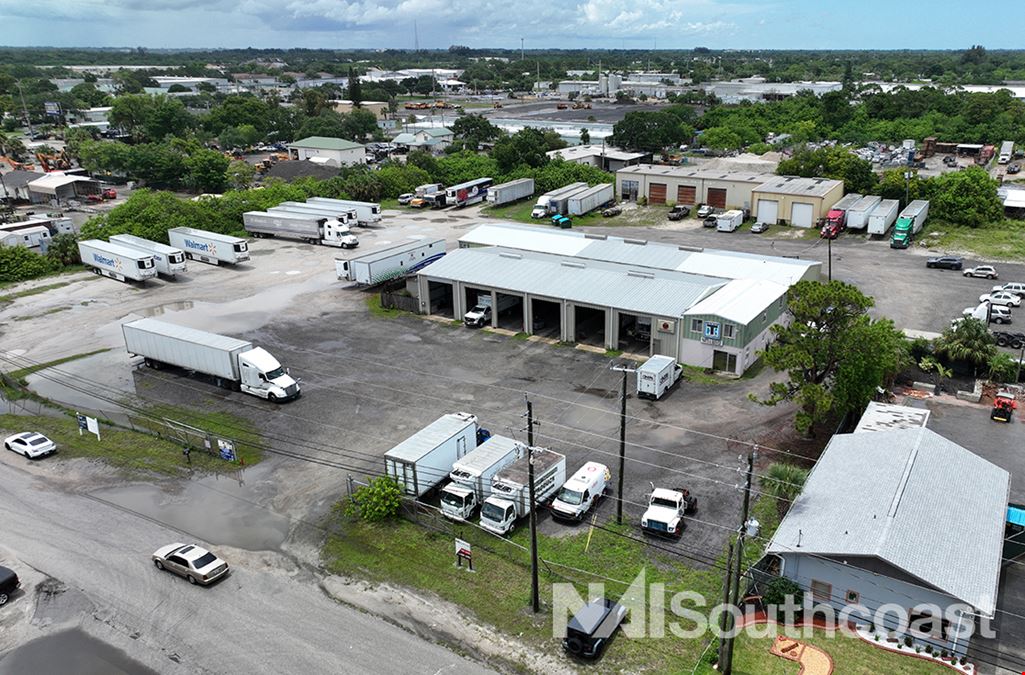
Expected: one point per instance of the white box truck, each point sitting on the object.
(656, 375)
(481, 313)
(391, 262)
(169, 260)
(209, 247)
(857, 215)
(311, 228)
(29, 236)
(1006, 152)
(510, 490)
(729, 221)
(471, 476)
(883, 216)
(233, 363)
(116, 261)
(510, 192)
(581, 492)
(544, 206)
(367, 213)
(590, 199)
(422, 462)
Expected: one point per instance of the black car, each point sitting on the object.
(590, 629)
(8, 584)
(947, 262)
(1014, 168)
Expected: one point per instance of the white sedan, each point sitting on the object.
(1001, 298)
(30, 444)
(195, 563)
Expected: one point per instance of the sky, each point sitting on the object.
(589, 24)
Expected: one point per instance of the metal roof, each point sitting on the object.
(577, 152)
(325, 143)
(880, 494)
(697, 174)
(886, 417)
(431, 436)
(590, 282)
(52, 181)
(741, 300)
(380, 254)
(221, 342)
(794, 185)
(639, 252)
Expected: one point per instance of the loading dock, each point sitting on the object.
(545, 318)
(512, 317)
(589, 325)
(634, 333)
(439, 299)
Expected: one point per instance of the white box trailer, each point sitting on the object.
(209, 247)
(917, 212)
(56, 224)
(33, 236)
(590, 199)
(559, 203)
(857, 215)
(471, 476)
(308, 227)
(729, 221)
(510, 490)
(656, 375)
(1006, 152)
(169, 260)
(344, 215)
(367, 213)
(388, 263)
(543, 207)
(510, 192)
(233, 363)
(116, 261)
(883, 216)
(422, 462)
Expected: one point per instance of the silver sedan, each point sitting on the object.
(195, 563)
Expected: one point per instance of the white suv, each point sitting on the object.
(1015, 287)
(987, 271)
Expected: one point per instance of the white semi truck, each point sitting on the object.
(233, 363)
(545, 207)
(510, 192)
(481, 313)
(387, 263)
(116, 261)
(590, 199)
(209, 247)
(169, 260)
(367, 213)
(472, 476)
(423, 461)
(510, 490)
(311, 228)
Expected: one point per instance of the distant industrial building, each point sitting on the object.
(379, 108)
(608, 84)
(757, 89)
(336, 152)
(660, 184)
(58, 188)
(795, 201)
(14, 184)
(605, 157)
(711, 309)
(96, 118)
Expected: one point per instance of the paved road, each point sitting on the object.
(263, 618)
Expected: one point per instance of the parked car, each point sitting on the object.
(1001, 298)
(1014, 168)
(758, 228)
(612, 211)
(984, 271)
(109, 193)
(195, 563)
(947, 262)
(1015, 287)
(9, 583)
(30, 444)
(704, 210)
(590, 629)
(950, 161)
(711, 221)
(405, 198)
(679, 212)
(997, 314)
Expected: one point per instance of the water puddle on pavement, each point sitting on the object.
(215, 509)
(70, 651)
(169, 307)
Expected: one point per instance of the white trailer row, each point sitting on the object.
(510, 192)
(209, 247)
(388, 263)
(548, 203)
(169, 260)
(883, 216)
(471, 476)
(590, 199)
(423, 461)
(367, 213)
(117, 261)
(857, 215)
(309, 227)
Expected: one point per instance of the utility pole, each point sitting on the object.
(28, 120)
(622, 442)
(725, 602)
(535, 595)
(521, 49)
(726, 665)
(829, 247)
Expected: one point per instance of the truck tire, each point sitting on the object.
(574, 645)
(1001, 340)
(272, 398)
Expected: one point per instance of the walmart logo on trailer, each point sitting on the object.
(197, 245)
(103, 260)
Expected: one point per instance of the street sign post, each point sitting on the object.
(464, 552)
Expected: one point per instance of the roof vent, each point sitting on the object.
(693, 249)
(512, 256)
(577, 265)
(636, 242)
(600, 237)
(640, 275)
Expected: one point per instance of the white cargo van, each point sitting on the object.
(656, 375)
(581, 492)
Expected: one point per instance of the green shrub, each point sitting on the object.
(378, 500)
(1003, 368)
(18, 264)
(777, 591)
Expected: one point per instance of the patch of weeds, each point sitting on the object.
(374, 305)
(699, 376)
(52, 310)
(521, 336)
(613, 353)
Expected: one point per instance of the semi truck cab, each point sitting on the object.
(263, 376)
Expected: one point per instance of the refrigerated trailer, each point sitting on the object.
(388, 263)
(367, 213)
(233, 363)
(311, 228)
(471, 476)
(116, 260)
(168, 259)
(31, 236)
(510, 491)
(209, 247)
(883, 216)
(510, 192)
(590, 199)
(423, 461)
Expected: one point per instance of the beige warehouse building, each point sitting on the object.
(684, 185)
(790, 200)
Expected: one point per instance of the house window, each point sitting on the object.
(852, 597)
(764, 316)
(727, 331)
(927, 624)
(695, 325)
(820, 590)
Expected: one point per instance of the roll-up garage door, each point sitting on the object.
(802, 215)
(717, 197)
(657, 193)
(686, 194)
(768, 211)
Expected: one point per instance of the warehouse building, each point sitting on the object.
(331, 151)
(605, 157)
(614, 293)
(795, 201)
(685, 185)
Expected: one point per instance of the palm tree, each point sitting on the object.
(784, 482)
(969, 341)
(11, 147)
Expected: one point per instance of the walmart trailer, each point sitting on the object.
(423, 461)
(388, 263)
(209, 247)
(169, 260)
(116, 260)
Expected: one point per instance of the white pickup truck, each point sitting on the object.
(666, 508)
